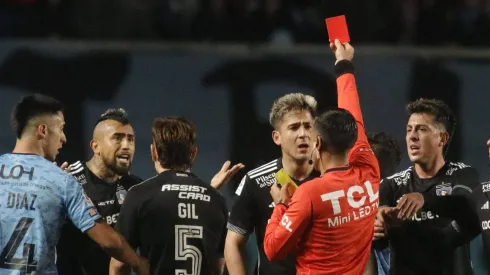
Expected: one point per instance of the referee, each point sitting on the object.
(175, 219)
(425, 241)
(105, 179)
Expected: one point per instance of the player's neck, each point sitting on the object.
(330, 161)
(299, 170)
(160, 169)
(28, 146)
(429, 169)
(99, 169)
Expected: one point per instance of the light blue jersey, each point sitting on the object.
(35, 198)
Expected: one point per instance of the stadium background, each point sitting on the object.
(221, 64)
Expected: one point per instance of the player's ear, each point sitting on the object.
(95, 146)
(153, 151)
(444, 138)
(42, 130)
(318, 143)
(276, 137)
(193, 153)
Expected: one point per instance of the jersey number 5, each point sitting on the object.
(184, 251)
(26, 264)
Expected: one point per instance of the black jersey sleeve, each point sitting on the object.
(481, 199)
(387, 192)
(223, 230)
(242, 212)
(127, 223)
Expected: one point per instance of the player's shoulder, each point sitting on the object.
(33, 163)
(460, 168)
(76, 167)
(399, 178)
(78, 171)
(261, 177)
(144, 185)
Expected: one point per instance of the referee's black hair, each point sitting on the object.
(120, 115)
(437, 108)
(338, 130)
(30, 107)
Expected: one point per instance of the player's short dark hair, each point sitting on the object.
(338, 130)
(437, 108)
(120, 115)
(174, 138)
(30, 107)
(387, 151)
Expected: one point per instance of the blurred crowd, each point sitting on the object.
(419, 22)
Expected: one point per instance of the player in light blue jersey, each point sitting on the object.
(36, 196)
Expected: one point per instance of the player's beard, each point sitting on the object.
(118, 170)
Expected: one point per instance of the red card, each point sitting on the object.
(337, 29)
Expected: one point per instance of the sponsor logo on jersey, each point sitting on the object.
(486, 187)
(357, 208)
(104, 203)
(485, 225)
(266, 180)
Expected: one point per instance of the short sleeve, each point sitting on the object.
(80, 209)
(241, 216)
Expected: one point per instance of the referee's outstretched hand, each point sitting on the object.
(342, 51)
(224, 175)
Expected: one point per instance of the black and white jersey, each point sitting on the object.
(252, 210)
(76, 252)
(481, 198)
(177, 221)
(430, 243)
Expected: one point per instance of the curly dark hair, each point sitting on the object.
(387, 152)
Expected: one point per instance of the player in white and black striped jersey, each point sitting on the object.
(292, 119)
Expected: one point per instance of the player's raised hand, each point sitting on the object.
(343, 51)
(224, 175)
(409, 205)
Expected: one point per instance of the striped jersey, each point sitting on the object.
(252, 210)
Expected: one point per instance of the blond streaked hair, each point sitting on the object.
(291, 102)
